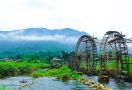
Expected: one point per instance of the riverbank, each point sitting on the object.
(65, 74)
(8, 69)
(62, 74)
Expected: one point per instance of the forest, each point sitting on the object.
(17, 49)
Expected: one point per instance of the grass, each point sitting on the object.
(6, 88)
(3, 88)
(37, 74)
(63, 73)
(111, 67)
(35, 69)
(19, 68)
(130, 60)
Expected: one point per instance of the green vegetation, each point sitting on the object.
(111, 67)
(25, 49)
(63, 73)
(19, 68)
(26, 65)
(37, 74)
(130, 59)
(3, 88)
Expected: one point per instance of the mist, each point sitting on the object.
(15, 36)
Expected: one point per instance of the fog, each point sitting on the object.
(14, 36)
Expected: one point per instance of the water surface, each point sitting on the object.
(42, 83)
(111, 84)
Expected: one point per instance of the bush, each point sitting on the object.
(17, 68)
(63, 73)
(65, 77)
(37, 74)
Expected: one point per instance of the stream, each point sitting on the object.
(51, 83)
(111, 84)
(42, 83)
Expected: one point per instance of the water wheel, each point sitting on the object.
(85, 54)
(114, 56)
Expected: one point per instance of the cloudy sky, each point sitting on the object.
(92, 16)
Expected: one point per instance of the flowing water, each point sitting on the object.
(46, 83)
(112, 85)
(42, 83)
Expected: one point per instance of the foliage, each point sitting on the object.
(18, 68)
(37, 74)
(97, 70)
(2, 88)
(111, 64)
(22, 49)
(63, 73)
(24, 65)
(76, 76)
(130, 60)
(65, 55)
(111, 67)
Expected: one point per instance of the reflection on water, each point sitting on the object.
(43, 83)
(112, 85)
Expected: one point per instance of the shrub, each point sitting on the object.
(37, 74)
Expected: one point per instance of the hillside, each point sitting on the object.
(38, 40)
(41, 34)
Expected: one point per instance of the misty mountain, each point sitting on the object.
(37, 34)
(36, 40)
(44, 31)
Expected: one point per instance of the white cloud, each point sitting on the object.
(93, 16)
(18, 36)
(34, 38)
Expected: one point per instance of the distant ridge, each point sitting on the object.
(44, 31)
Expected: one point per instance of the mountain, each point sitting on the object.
(42, 34)
(38, 40)
(43, 31)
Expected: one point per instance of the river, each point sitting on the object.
(112, 84)
(42, 83)
(51, 83)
